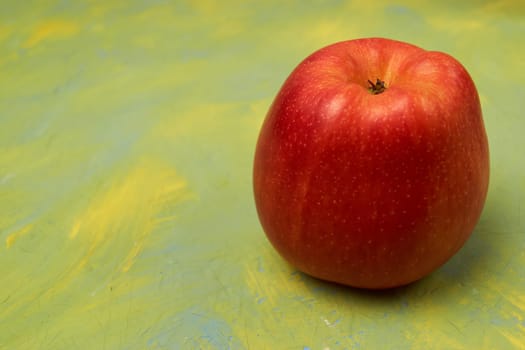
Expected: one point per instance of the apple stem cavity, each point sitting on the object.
(377, 87)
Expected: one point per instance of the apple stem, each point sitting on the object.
(377, 87)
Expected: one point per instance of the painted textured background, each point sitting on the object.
(127, 131)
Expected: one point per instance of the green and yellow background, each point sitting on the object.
(127, 132)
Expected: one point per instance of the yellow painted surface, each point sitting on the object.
(127, 131)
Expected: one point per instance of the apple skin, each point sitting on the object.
(372, 190)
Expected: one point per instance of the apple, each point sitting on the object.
(372, 165)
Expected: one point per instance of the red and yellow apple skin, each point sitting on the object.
(371, 188)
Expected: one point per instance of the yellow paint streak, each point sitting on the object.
(13, 56)
(5, 31)
(74, 230)
(10, 240)
(456, 24)
(206, 124)
(516, 341)
(187, 124)
(506, 291)
(260, 288)
(99, 10)
(504, 6)
(135, 199)
(51, 29)
(206, 7)
(97, 28)
(126, 214)
(269, 289)
(229, 29)
(145, 42)
(260, 107)
(335, 29)
(518, 300)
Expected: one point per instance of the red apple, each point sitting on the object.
(372, 165)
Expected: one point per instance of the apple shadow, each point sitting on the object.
(459, 273)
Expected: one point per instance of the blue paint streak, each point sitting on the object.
(397, 9)
(260, 266)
